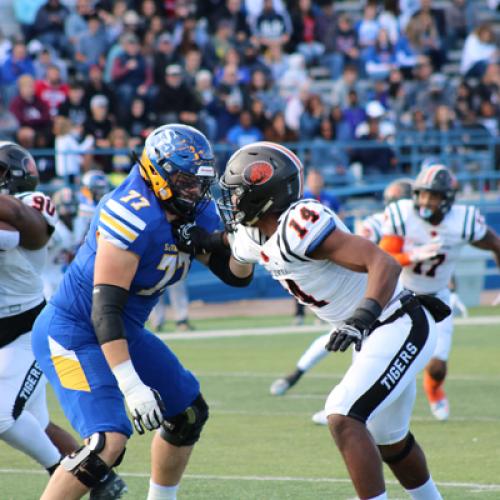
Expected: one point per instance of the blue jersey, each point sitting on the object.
(132, 218)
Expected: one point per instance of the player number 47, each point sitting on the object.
(307, 215)
(140, 202)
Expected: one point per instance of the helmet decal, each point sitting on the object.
(258, 172)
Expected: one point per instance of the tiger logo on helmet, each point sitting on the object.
(260, 178)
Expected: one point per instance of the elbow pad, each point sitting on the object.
(219, 265)
(108, 303)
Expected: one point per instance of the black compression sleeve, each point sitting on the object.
(219, 265)
(108, 303)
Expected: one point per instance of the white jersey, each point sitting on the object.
(86, 211)
(463, 224)
(333, 292)
(61, 246)
(371, 227)
(21, 287)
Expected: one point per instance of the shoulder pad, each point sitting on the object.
(468, 220)
(122, 219)
(395, 217)
(303, 228)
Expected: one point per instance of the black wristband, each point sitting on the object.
(108, 303)
(214, 243)
(367, 313)
(219, 265)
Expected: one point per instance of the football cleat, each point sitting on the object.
(320, 418)
(441, 409)
(184, 326)
(113, 487)
(279, 387)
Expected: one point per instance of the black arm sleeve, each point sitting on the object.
(219, 265)
(108, 302)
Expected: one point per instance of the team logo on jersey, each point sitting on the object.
(258, 172)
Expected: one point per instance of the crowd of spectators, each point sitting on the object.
(87, 74)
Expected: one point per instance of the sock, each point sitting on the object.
(428, 491)
(27, 436)
(158, 492)
(293, 377)
(433, 388)
(382, 496)
(314, 353)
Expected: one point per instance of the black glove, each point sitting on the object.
(350, 332)
(195, 240)
(356, 328)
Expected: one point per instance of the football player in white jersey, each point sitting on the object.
(370, 229)
(62, 244)
(28, 218)
(351, 283)
(95, 185)
(426, 235)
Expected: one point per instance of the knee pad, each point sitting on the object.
(410, 442)
(185, 428)
(85, 463)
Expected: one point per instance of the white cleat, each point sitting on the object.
(279, 387)
(441, 409)
(320, 418)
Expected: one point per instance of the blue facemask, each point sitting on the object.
(425, 213)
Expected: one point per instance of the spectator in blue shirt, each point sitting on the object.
(17, 64)
(245, 132)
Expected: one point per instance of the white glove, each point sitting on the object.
(424, 252)
(144, 403)
(244, 244)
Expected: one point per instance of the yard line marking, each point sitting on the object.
(215, 410)
(215, 477)
(296, 330)
(337, 375)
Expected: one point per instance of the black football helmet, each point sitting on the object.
(259, 178)
(18, 172)
(400, 189)
(436, 178)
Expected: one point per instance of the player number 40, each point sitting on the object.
(307, 215)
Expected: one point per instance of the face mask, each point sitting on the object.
(425, 213)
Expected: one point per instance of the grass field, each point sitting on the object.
(259, 447)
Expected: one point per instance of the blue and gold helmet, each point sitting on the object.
(178, 164)
(95, 185)
(66, 202)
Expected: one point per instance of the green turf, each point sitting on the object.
(252, 439)
(251, 321)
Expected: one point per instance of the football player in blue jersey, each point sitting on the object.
(90, 339)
